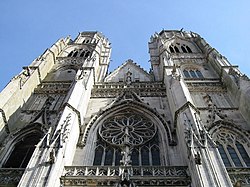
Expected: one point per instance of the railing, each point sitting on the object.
(110, 175)
(10, 176)
(240, 175)
(187, 55)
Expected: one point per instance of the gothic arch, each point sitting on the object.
(164, 136)
(133, 105)
(24, 140)
(69, 51)
(226, 125)
(184, 45)
(233, 144)
(192, 71)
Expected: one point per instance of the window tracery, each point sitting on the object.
(233, 149)
(192, 73)
(184, 48)
(128, 129)
(79, 53)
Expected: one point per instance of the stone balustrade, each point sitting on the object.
(139, 175)
(10, 176)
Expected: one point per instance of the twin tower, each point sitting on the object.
(64, 121)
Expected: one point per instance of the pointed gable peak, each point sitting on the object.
(131, 69)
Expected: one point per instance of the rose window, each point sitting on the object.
(127, 129)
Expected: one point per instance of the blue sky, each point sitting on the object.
(28, 27)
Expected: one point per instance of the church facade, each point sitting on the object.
(66, 122)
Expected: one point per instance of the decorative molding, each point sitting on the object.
(122, 104)
(223, 124)
(179, 56)
(181, 109)
(114, 89)
(110, 175)
(239, 176)
(127, 129)
(53, 87)
(10, 176)
(219, 108)
(205, 85)
(74, 60)
(78, 113)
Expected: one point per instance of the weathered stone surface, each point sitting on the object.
(131, 127)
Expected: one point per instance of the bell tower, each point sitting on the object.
(89, 50)
(197, 80)
(53, 92)
(65, 122)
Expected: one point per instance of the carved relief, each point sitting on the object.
(127, 129)
(53, 87)
(126, 100)
(203, 86)
(142, 89)
(109, 176)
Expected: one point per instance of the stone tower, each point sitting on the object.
(66, 122)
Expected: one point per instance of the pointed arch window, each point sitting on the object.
(109, 156)
(186, 74)
(171, 49)
(22, 152)
(82, 54)
(224, 156)
(188, 49)
(183, 49)
(118, 157)
(232, 149)
(86, 40)
(155, 152)
(192, 73)
(98, 155)
(135, 157)
(144, 156)
(199, 74)
(85, 54)
(235, 158)
(176, 49)
(75, 54)
(243, 153)
(70, 54)
(123, 132)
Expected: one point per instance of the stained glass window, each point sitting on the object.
(129, 130)
(232, 149)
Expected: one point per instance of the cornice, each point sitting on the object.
(143, 89)
(53, 87)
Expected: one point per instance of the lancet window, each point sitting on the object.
(22, 152)
(127, 139)
(184, 49)
(192, 73)
(79, 53)
(233, 149)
